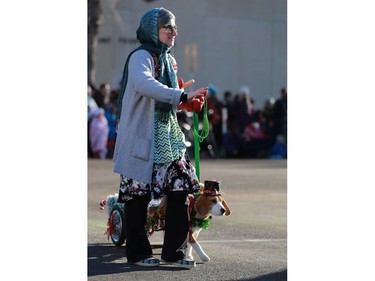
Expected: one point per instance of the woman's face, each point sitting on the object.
(168, 33)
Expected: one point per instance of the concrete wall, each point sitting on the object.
(236, 42)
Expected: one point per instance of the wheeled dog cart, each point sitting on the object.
(117, 220)
(116, 224)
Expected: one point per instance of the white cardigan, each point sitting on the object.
(134, 150)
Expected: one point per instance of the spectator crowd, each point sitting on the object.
(237, 128)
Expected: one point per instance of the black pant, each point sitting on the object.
(137, 244)
(176, 227)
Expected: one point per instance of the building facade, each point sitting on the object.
(225, 43)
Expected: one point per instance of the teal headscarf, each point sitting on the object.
(148, 36)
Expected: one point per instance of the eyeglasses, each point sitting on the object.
(171, 28)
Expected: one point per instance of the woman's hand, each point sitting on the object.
(197, 94)
(195, 100)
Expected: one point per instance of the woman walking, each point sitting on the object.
(150, 153)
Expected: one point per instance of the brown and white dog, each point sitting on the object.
(210, 202)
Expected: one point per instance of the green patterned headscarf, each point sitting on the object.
(148, 36)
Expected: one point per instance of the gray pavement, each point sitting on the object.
(250, 244)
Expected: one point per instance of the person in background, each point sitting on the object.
(150, 151)
(101, 97)
(279, 149)
(280, 114)
(229, 106)
(111, 115)
(98, 134)
(269, 124)
(244, 108)
(215, 107)
(91, 106)
(232, 143)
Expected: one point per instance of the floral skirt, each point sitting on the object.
(176, 176)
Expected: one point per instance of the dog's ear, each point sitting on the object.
(201, 206)
(227, 209)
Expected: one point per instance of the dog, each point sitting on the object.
(202, 206)
(210, 202)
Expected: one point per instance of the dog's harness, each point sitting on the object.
(202, 223)
(197, 222)
(191, 209)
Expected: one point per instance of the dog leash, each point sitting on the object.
(200, 137)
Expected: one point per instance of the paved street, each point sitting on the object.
(251, 244)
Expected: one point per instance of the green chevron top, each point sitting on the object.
(169, 139)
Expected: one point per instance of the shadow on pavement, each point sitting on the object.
(276, 276)
(104, 259)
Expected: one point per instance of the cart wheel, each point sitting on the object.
(118, 234)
